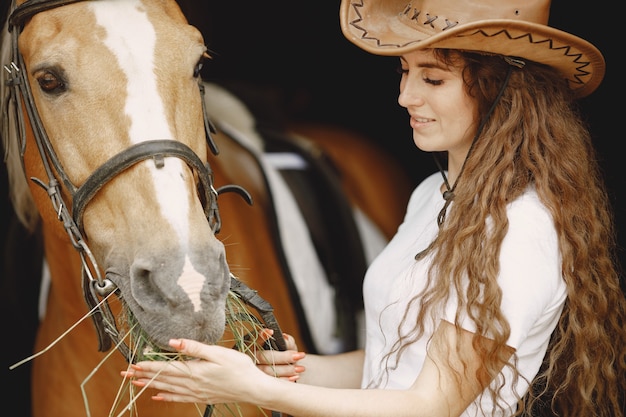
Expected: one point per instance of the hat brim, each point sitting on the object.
(580, 62)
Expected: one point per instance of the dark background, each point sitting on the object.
(298, 49)
(296, 54)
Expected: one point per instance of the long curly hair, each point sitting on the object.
(535, 137)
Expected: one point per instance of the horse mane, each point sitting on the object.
(19, 192)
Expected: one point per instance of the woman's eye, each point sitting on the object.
(50, 83)
(432, 82)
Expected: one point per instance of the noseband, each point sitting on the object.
(95, 286)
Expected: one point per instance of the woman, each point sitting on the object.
(501, 284)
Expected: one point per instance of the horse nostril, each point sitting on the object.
(145, 288)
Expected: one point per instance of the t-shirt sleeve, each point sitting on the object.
(533, 291)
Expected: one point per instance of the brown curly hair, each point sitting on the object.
(534, 137)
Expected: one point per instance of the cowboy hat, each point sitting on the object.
(515, 28)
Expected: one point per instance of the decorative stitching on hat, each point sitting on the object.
(365, 33)
(429, 19)
(566, 50)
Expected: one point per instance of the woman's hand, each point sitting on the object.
(280, 364)
(216, 375)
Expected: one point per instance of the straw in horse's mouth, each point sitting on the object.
(242, 331)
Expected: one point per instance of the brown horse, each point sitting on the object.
(117, 139)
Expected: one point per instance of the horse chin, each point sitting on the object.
(206, 326)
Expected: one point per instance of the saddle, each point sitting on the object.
(315, 186)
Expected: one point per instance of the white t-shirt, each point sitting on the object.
(533, 290)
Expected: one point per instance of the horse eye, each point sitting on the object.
(50, 83)
(197, 69)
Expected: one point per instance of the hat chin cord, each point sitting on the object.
(448, 195)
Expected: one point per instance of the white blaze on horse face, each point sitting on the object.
(131, 37)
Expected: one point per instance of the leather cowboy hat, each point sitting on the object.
(517, 28)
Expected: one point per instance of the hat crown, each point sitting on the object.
(443, 14)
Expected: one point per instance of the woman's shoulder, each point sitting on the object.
(528, 208)
(531, 235)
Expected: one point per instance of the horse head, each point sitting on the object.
(116, 137)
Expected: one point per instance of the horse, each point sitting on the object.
(105, 111)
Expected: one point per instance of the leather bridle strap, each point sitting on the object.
(30, 8)
(157, 150)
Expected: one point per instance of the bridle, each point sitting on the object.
(96, 287)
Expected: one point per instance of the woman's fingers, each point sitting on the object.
(274, 357)
(266, 334)
(290, 342)
(167, 372)
(209, 355)
(191, 348)
(291, 371)
(280, 364)
(222, 374)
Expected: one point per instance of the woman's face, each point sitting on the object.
(443, 115)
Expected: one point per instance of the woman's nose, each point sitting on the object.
(409, 93)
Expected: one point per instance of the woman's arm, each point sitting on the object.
(444, 387)
(343, 370)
